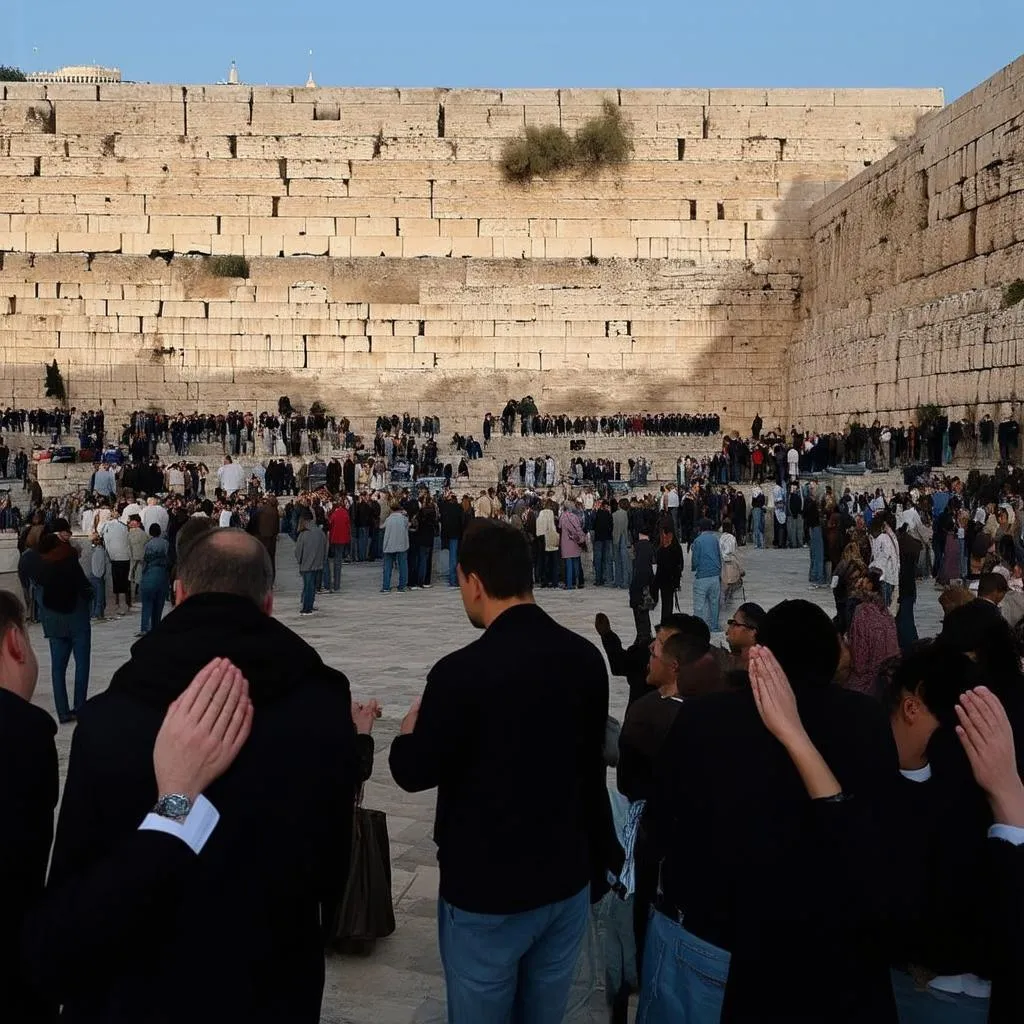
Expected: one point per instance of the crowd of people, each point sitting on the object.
(789, 836)
(674, 424)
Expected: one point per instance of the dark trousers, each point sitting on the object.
(665, 596)
(906, 627)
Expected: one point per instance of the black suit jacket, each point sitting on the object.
(28, 796)
(235, 933)
(793, 888)
(523, 817)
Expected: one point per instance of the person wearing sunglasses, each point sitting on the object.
(741, 632)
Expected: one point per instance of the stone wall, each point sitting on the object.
(905, 283)
(391, 268)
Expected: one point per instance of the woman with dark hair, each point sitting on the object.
(669, 571)
(65, 597)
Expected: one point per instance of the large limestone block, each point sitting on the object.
(74, 117)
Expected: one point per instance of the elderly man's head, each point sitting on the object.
(225, 561)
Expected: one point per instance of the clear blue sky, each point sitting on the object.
(525, 42)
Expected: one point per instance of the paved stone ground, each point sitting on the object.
(386, 643)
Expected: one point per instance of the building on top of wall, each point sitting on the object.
(78, 74)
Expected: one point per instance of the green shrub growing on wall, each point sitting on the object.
(227, 266)
(54, 386)
(602, 141)
(541, 151)
(1013, 293)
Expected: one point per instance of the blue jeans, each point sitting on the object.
(400, 559)
(621, 556)
(61, 650)
(602, 560)
(453, 563)
(362, 542)
(758, 517)
(683, 976)
(887, 591)
(511, 968)
(99, 596)
(324, 579)
(817, 573)
(707, 592)
(153, 593)
(309, 579)
(337, 551)
(573, 573)
(934, 1007)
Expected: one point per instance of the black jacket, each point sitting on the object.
(452, 520)
(242, 920)
(28, 796)
(523, 817)
(669, 569)
(643, 572)
(793, 888)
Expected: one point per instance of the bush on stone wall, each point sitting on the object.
(227, 266)
(54, 384)
(602, 141)
(9, 74)
(541, 151)
(1013, 293)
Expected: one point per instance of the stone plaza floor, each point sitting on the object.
(386, 643)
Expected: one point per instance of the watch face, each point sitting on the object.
(175, 806)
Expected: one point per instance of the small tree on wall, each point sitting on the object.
(55, 383)
(9, 74)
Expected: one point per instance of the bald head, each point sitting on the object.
(226, 561)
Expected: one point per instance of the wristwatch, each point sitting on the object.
(175, 806)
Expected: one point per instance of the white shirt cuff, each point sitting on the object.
(1010, 833)
(193, 831)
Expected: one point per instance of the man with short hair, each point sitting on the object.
(278, 860)
(992, 587)
(513, 906)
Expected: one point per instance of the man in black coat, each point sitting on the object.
(758, 873)
(523, 822)
(248, 932)
(28, 795)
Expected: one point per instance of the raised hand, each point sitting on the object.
(987, 738)
(773, 696)
(601, 624)
(203, 730)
